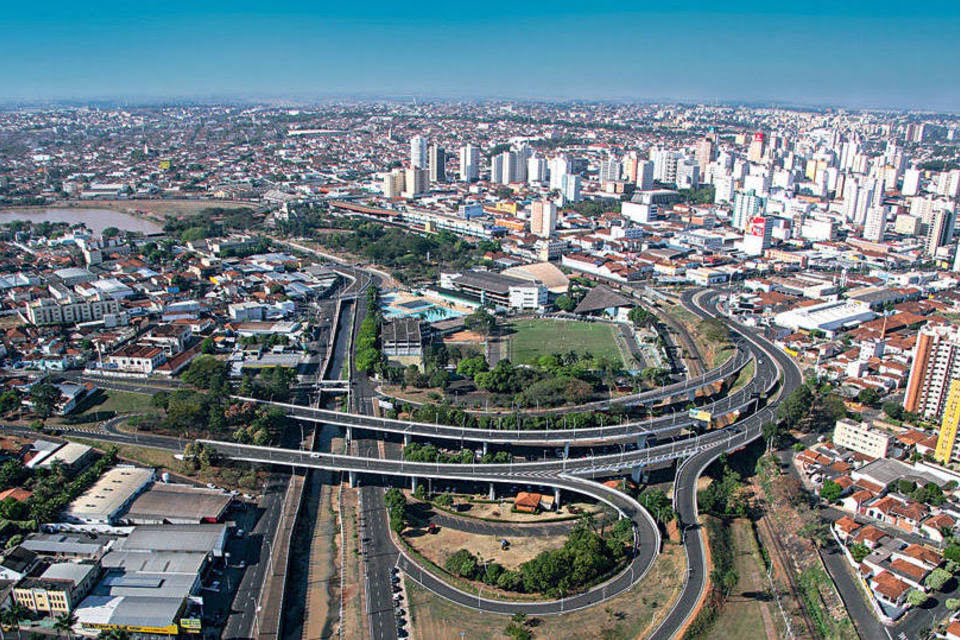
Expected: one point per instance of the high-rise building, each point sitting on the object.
(645, 178)
(875, 224)
(941, 228)
(948, 440)
(394, 183)
(543, 218)
(705, 151)
(666, 166)
(537, 170)
(469, 163)
(757, 150)
(503, 168)
(629, 166)
(687, 174)
(610, 170)
(522, 154)
(418, 155)
(438, 163)
(572, 188)
(745, 206)
(417, 181)
(758, 235)
(560, 166)
(911, 182)
(936, 364)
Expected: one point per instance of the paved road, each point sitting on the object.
(689, 471)
(857, 604)
(635, 431)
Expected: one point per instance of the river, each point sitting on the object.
(97, 220)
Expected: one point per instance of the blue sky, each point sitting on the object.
(881, 53)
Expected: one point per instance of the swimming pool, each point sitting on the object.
(416, 309)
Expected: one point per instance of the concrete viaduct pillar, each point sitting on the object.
(567, 450)
(407, 439)
(352, 479)
(639, 475)
(349, 434)
(557, 497)
(492, 493)
(412, 483)
(485, 447)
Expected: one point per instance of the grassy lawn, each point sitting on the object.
(104, 404)
(534, 338)
(438, 547)
(629, 615)
(231, 477)
(748, 610)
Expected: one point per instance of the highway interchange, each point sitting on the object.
(775, 373)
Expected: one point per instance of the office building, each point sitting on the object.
(438, 163)
(936, 364)
(418, 152)
(469, 163)
(543, 218)
(758, 235)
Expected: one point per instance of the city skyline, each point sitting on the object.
(833, 55)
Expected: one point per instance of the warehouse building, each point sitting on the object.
(110, 496)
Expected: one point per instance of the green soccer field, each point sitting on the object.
(534, 338)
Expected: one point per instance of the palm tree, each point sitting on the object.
(65, 622)
(13, 616)
(114, 634)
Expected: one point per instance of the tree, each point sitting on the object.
(951, 551)
(65, 622)
(868, 397)
(470, 367)
(642, 317)
(859, 552)
(462, 563)
(657, 504)
(952, 604)
(938, 578)
(207, 346)
(44, 397)
(916, 598)
(9, 401)
(206, 372)
(481, 321)
(893, 409)
(565, 302)
(110, 232)
(830, 491)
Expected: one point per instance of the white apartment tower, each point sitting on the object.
(418, 153)
(469, 163)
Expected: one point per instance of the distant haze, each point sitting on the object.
(882, 54)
